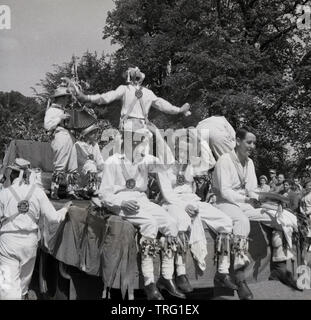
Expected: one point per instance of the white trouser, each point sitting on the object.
(211, 216)
(150, 218)
(208, 214)
(62, 146)
(18, 255)
(215, 218)
(241, 215)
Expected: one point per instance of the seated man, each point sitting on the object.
(178, 190)
(123, 192)
(23, 207)
(234, 183)
(86, 158)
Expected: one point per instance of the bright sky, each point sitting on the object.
(47, 32)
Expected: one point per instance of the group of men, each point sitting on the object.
(120, 186)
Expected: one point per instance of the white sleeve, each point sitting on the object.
(252, 181)
(108, 187)
(109, 96)
(52, 118)
(1, 204)
(208, 160)
(49, 211)
(165, 185)
(222, 179)
(164, 106)
(231, 131)
(98, 158)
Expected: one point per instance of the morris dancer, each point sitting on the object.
(235, 182)
(86, 158)
(22, 205)
(203, 164)
(62, 143)
(122, 191)
(136, 103)
(178, 190)
(221, 135)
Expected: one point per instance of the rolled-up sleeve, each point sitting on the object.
(164, 106)
(109, 96)
(52, 119)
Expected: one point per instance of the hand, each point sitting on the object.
(65, 116)
(185, 109)
(192, 210)
(130, 206)
(254, 202)
(68, 205)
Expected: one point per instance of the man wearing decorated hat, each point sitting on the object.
(62, 143)
(123, 191)
(22, 206)
(136, 103)
(86, 158)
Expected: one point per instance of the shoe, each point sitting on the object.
(244, 292)
(152, 292)
(223, 280)
(183, 284)
(286, 277)
(170, 287)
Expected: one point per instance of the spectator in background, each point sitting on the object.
(291, 195)
(297, 183)
(305, 206)
(263, 186)
(273, 178)
(279, 187)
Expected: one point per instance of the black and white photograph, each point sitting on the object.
(155, 154)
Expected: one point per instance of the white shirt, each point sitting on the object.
(82, 151)
(114, 180)
(206, 161)
(53, 117)
(305, 204)
(226, 182)
(174, 193)
(127, 95)
(218, 124)
(39, 205)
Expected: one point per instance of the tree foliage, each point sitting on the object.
(246, 57)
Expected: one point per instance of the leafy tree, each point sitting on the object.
(20, 118)
(230, 54)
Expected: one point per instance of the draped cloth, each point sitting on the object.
(100, 245)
